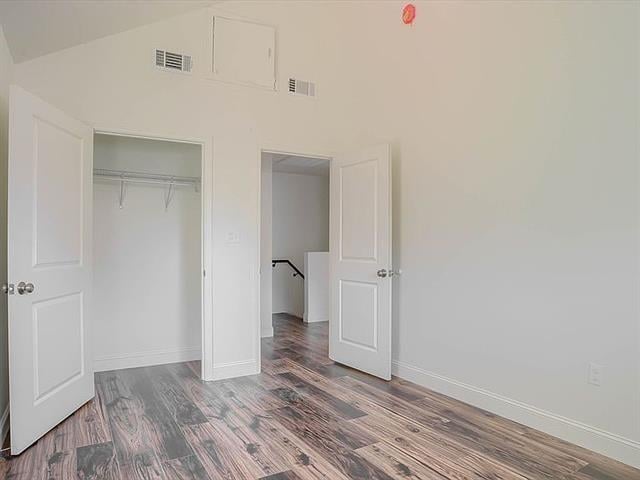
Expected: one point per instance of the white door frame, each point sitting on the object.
(206, 238)
(276, 151)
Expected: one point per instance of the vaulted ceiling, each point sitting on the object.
(38, 27)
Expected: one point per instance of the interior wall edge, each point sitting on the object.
(266, 331)
(615, 446)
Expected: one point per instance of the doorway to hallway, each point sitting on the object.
(357, 295)
(294, 239)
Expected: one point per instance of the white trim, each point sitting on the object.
(242, 368)
(4, 424)
(206, 243)
(258, 280)
(305, 319)
(207, 259)
(145, 359)
(593, 438)
(279, 151)
(266, 331)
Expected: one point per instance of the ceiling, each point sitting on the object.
(301, 165)
(38, 27)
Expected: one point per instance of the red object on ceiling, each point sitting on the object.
(408, 14)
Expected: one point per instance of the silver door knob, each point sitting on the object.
(25, 288)
(8, 288)
(382, 273)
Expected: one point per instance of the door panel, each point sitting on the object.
(58, 183)
(61, 319)
(49, 242)
(358, 225)
(360, 325)
(359, 314)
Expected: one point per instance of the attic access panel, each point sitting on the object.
(244, 52)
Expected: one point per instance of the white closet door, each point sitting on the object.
(50, 215)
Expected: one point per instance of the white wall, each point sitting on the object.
(317, 303)
(112, 84)
(515, 138)
(300, 224)
(514, 132)
(147, 269)
(266, 323)
(6, 72)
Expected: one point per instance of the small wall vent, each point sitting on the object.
(302, 87)
(173, 61)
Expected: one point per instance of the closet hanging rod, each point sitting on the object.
(140, 177)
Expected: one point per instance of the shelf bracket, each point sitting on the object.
(168, 195)
(121, 200)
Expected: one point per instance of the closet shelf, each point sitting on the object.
(169, 181)
(139, 177)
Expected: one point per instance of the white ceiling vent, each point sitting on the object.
(173, 61)
(302, 87)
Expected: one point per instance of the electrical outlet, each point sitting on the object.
(596, 374)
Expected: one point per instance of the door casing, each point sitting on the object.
(278, 151)
(206, 240)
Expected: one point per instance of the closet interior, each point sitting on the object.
(147, 251)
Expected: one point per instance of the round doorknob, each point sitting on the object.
(25, 288)
(382, 273)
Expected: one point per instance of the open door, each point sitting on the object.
(49, 266)
(360, 252)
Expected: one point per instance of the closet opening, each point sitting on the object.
(148, 252)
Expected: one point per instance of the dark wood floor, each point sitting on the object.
(303, 418)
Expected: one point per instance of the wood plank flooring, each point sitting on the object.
(303, 418)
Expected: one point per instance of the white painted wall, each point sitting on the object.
(514, 131)
(6, 72)
(316, 287)
(266, 322)
(111, 83)
(300, 224)
(516, 216)
(147, 268)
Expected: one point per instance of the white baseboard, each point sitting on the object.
(145, 359)
(305, 319)
(242, 368)
(4, 424)
(592, 438)
(266, 331)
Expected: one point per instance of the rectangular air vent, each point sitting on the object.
(302, 87)
(173, 61)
